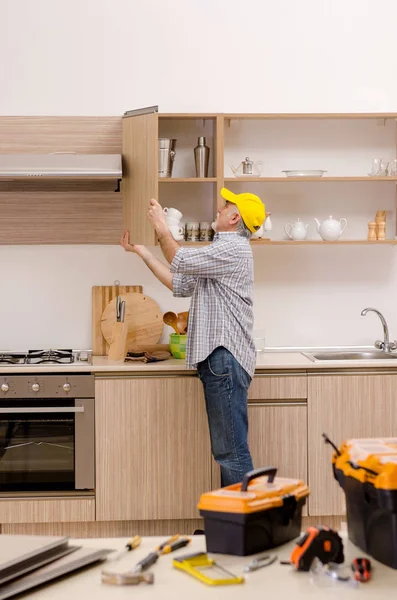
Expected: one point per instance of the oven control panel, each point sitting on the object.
(47, 386)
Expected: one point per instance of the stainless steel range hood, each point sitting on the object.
(60, 165)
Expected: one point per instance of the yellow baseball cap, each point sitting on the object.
(250, 206)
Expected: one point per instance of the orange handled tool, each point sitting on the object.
(361, 568)
(318, 542)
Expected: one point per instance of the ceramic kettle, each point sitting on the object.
(296, 231)
(331, 229)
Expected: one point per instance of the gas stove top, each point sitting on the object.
(51, 357)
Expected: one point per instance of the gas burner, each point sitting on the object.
(37, 357)
(12, 358)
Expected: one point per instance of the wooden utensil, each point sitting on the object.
(101, 296)
(171, 319)
(142, 315)
(181, 322)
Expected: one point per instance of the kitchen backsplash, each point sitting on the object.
(303, 295)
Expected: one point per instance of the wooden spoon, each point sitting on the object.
(181, 322)
(170, 319)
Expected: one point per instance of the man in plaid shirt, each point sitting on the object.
(219, 278)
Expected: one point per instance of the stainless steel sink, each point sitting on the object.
(350, 355)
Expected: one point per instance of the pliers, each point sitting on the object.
(260, 562)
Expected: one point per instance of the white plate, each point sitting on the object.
(304, 173)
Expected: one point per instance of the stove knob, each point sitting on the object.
(67, 387)
(5, 387)
(35, 387)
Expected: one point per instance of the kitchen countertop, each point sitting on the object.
(280, 360)
(275, 581)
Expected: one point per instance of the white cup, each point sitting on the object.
(173, 213)
(171, 221)
(177, 232)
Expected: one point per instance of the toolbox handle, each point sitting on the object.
(270, 471)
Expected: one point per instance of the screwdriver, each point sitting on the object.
(175, 546)
(174, 538)
(131, 545)
(153, 557)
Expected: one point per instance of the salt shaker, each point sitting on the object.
(372, 231)
(382, 231)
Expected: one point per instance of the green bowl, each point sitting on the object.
(178, 345)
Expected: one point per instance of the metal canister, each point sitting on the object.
(201, 157)
(166, 152)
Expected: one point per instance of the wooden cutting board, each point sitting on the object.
(142, 315)
(101, 296)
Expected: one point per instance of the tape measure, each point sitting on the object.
(317, 542)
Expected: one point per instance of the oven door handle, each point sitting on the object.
(42, 409)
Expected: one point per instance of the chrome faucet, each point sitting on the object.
(386, 345)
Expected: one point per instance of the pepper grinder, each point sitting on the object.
(372, 231)
(201, 158)
(381, 231)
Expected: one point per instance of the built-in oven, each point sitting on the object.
(47, 432)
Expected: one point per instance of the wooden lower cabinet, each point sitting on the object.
(344, 406)
(278, 437)
(153, 457)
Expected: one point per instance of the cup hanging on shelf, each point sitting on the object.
(201, 157)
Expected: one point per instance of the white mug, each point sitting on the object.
(177, 232)
(171, 221)
(173, 213)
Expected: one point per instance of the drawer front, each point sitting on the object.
(52, 510)
(278, 387)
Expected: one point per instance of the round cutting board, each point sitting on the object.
(143, 315)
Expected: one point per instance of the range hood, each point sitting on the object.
(61, 165)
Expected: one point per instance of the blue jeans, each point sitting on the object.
(226, 386)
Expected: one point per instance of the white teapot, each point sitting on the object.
(296, 231)
(331, 229)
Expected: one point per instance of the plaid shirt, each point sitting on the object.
(219, 277)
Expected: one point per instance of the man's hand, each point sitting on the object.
(156, 216)
(125, 242)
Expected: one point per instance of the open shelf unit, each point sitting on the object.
(200, 202)
(368, 179)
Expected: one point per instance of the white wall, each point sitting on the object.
(92, 57)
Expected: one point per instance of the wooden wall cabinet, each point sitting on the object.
(140, 165)
(344, 406)
(153, 457)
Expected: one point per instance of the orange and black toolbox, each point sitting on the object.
(260, 513)
(366, 470)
